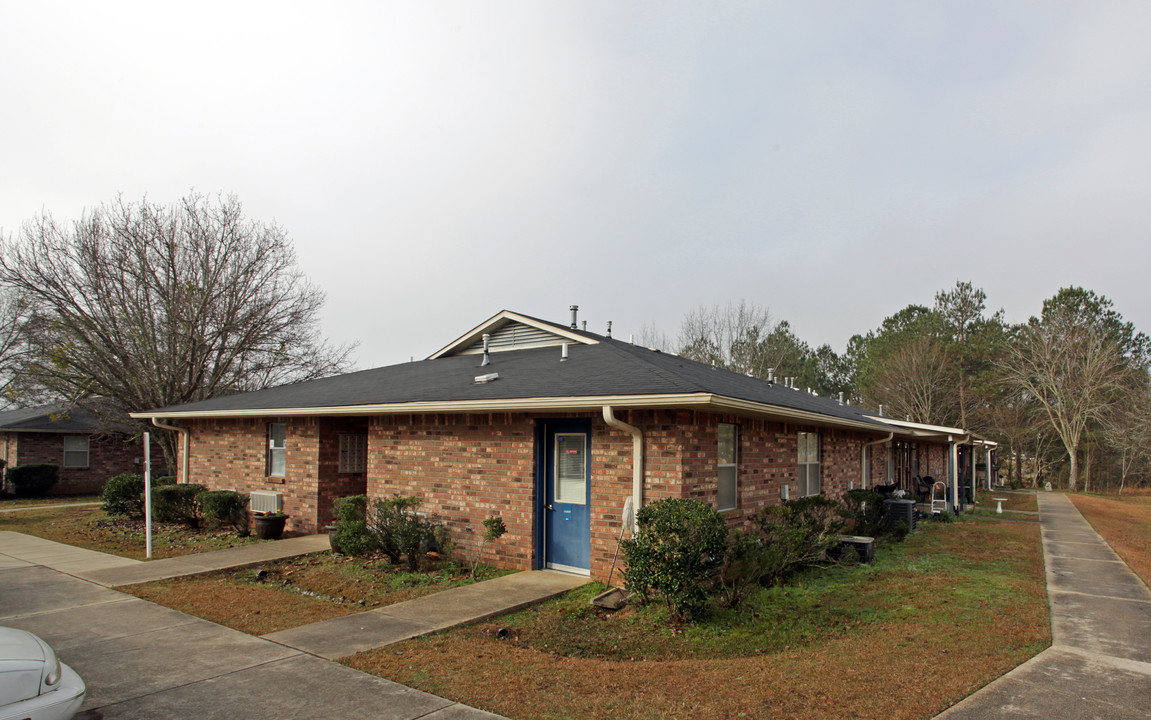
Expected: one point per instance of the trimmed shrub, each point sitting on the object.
(797, 534)
(123, 495)
(177, 504)
(33, 480)
(677, 551)
(225, 508)
(400, 528)
(351, 535)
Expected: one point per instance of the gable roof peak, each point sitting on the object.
(514, 331)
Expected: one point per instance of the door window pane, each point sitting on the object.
(571, 468)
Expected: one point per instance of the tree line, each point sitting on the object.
(1066, 393)
(138, 305)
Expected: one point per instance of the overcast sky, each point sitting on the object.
(436, 163)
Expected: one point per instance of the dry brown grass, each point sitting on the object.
(956, 607)
(88, 527)
(253, 609)
(1124, 521)
(298, 591)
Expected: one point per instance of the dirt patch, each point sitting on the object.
(299, 591)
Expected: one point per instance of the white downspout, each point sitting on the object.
(864, 466)
(636, 461)
(183, 433)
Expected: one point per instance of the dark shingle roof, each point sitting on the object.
(58, 418)
(608, 368)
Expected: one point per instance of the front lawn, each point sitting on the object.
(298, 591)
(934, 619)
(88, 527)
(8, 502)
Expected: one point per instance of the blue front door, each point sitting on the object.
(566, 495)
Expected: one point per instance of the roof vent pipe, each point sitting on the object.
(563, 352)
(487, 360)
(880, 409)
(574, 309)
(771, 375)
(609, 328)
(583, 325)
(840, 397)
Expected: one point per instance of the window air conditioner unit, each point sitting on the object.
(266, 501)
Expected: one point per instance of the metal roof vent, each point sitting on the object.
(771, 375)
(487, 360)
(840, 397)
(609, 328)
(480, 379)
(880, 409)
(574, 309)
(564, 352)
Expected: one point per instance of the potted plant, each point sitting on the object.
(270, 525)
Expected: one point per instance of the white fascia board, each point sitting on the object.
(918, 426)
(695, 401)
(478, 331)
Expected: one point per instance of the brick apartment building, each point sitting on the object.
(554, 429)
(86, 449)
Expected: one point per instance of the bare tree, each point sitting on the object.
(729, 337)
(1126, 428)
(650, 336)
(13, 351)
(1073, 361)
(915, 381)
(153, 306)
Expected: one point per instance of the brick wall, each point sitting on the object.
(467, 468)
(108, 455)
(232, 455)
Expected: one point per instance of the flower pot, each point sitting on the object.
(270, 527)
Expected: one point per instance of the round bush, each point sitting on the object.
(177, 504)
(123, 495)
(225, 507)
(678, 550)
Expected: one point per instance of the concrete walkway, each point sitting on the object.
(1099, 662)
(141, 660)
(351, 634)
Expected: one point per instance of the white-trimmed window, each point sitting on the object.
(728, 468)
(808, 468)
(353, 453)
(277, 449)
(76, 451)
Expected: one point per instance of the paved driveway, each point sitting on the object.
(142, 660)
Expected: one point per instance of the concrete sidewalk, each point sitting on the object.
(142, 660)
(1099, 662)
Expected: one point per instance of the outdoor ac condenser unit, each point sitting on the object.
(266, 501)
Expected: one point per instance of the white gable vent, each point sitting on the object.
(266, 501)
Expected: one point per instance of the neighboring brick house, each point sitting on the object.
(551, 427)
(86, 449)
